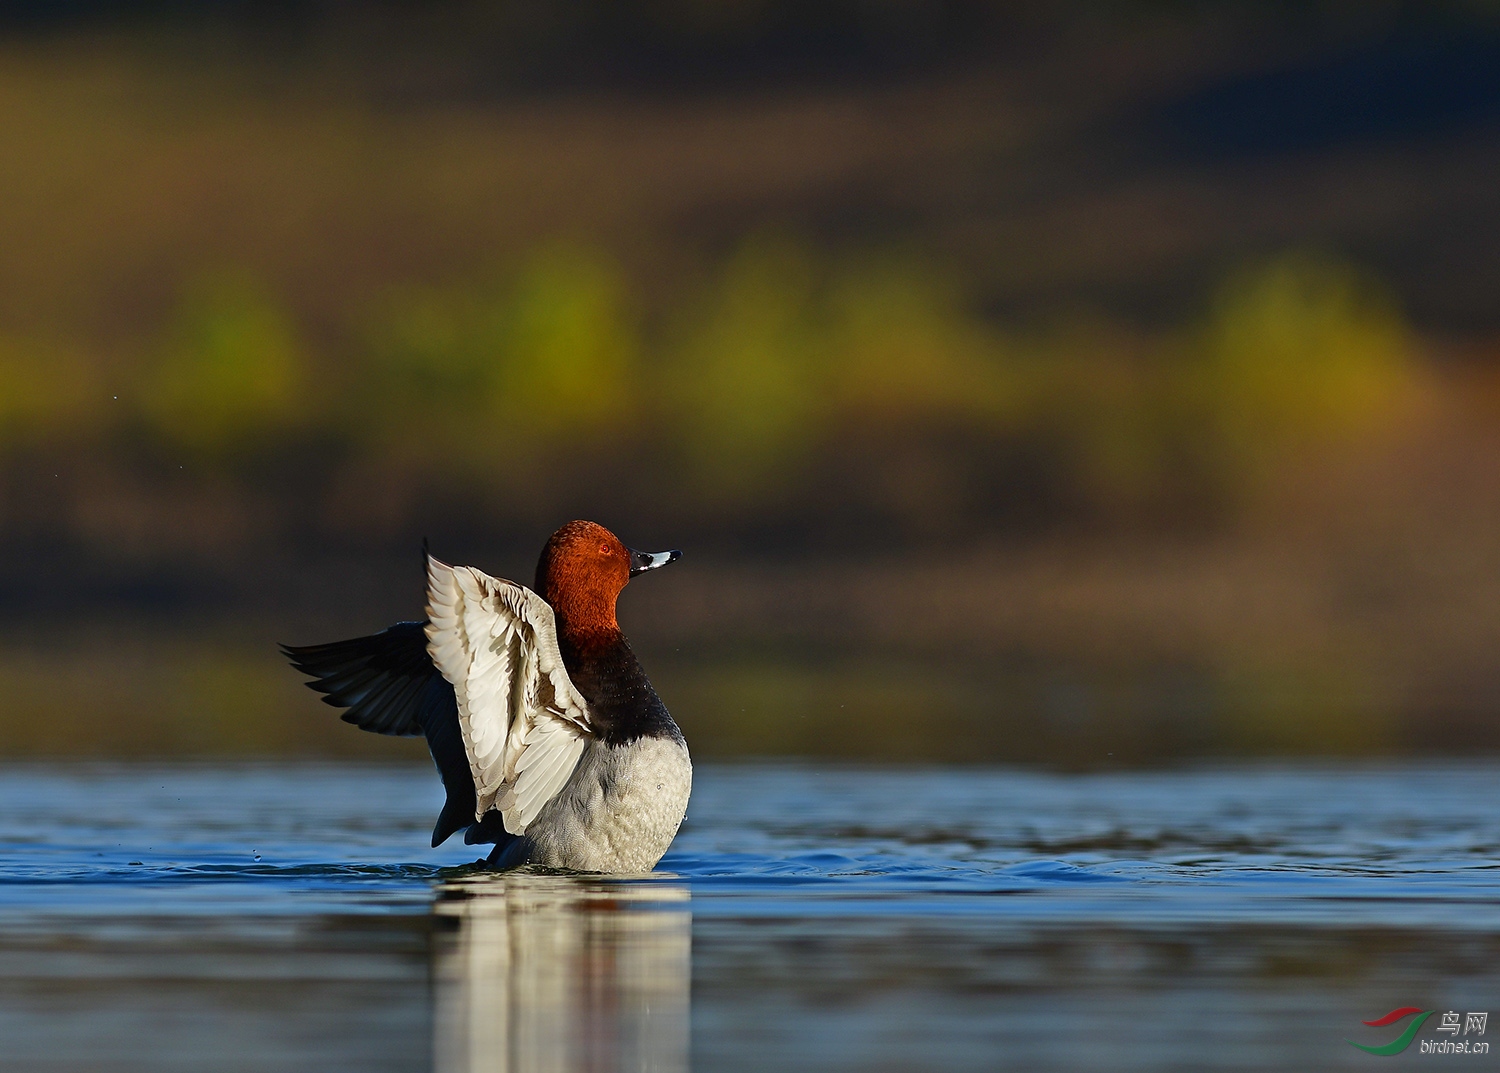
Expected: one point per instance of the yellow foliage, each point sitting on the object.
(1300, 351)
(1100, 397)
(903, 346)
(44, 390)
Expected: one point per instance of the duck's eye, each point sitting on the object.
(604, 550)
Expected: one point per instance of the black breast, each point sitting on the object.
(622, 704)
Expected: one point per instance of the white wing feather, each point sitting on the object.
(524, 725)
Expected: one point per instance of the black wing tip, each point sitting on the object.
(379, 678)
(303, 659)
(444, 829)
(301, 655)
(298, 657)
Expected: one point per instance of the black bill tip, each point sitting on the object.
(641, 561)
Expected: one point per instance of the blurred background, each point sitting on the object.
(1087, 384)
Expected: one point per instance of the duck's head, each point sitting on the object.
(582, 570)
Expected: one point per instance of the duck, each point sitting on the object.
(549, 739)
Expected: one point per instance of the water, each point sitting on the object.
(292, 917)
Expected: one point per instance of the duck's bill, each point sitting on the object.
(641, 561)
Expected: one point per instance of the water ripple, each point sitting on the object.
(1379, 844)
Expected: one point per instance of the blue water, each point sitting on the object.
(293, 917)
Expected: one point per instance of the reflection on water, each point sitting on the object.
(285, 918)
(536, 973)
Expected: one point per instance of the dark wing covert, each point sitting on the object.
(389, 685)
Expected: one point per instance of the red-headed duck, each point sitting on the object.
(548, 736)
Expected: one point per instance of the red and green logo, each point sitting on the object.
(1401, 1042)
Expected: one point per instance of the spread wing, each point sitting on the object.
(388, 683)
(524, 725)
(384, 680)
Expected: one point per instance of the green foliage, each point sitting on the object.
(229, 373)
(745, 383)
(781, 359)
(787, 352)
(477, 373)
(573, 353)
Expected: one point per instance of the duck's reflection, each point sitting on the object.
(556, 973)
